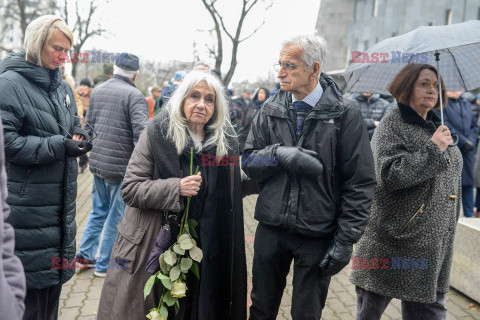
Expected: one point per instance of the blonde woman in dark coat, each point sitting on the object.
(406, 250)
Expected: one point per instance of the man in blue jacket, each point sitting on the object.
(458, 116)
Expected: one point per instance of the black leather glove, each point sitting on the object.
(467, 146)
(78, 130)
(77, 148)
(299, 161)
(337, 257)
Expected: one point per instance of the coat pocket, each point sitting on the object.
(409, 222)
(125, 251)
(25, 183)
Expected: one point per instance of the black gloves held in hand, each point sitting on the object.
(299, 161)
(77, 148)
(337, 257)
(467, 146)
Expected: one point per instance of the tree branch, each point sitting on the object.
(254, 31)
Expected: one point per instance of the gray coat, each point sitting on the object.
(12, 277)
(118, 113)
(414, 212)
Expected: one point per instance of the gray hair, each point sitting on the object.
(314, 48)
(178, 126)
(38, 32)
(124, 73)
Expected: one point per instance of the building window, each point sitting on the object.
(478, 16)
(448, 17)
(430, 24)
(375, 8)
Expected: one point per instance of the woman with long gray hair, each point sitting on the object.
(155, 189)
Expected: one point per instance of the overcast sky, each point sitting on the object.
(166, 29)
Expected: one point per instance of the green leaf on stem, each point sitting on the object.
(196, 254)
(192, 223)
(167, 283)
(170, 257)
(191, 227)
(184, 236)
(148, 286)
(185, 264)
(169, 300)
(191, 161)
(175, 273)
(177, 307)
(163, 312)
(194, 270)
(187, 244)
(178, 250)
(163, 265)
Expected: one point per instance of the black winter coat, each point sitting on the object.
(338, 202)
(37, 110)
(372, 110)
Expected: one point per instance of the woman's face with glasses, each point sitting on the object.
(425, 93)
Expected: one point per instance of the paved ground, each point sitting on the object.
(80, 296)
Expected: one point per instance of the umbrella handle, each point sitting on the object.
(437, 58)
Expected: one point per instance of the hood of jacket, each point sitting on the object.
(48, 80)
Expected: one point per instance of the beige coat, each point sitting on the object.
(148, 200)
(122, 293)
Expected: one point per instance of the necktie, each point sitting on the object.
(301, 109)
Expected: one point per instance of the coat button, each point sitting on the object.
(453, 197)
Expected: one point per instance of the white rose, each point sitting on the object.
(179, 289)
(154, 315)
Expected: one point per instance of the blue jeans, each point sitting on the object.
(467, 201)
(107, 210)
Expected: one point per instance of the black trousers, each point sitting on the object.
(370, 306)
(274, 251)
(42, 304)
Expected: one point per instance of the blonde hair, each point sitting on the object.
(37, 34)
(178, 124)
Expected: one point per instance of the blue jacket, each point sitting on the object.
(459, 119)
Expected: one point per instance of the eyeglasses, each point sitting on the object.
(286, 65)
(427, 85)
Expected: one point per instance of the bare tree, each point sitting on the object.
(83, 25)
(18, 14)
(235, 38)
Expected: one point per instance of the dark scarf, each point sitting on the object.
(258, 103)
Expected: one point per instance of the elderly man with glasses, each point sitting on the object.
(311, 156)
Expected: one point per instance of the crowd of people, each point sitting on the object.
(330, 171)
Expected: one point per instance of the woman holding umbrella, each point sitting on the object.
(406, 251)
